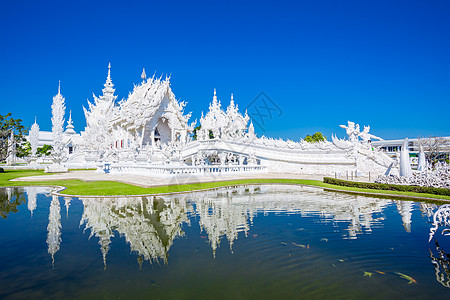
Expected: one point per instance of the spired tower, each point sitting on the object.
(97, 134)
(108, 90)
(58, 111)
(70, 127)
(34, 138)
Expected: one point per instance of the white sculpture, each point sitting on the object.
(351, 131)
(58, 111)
(405, 164)
(421, 165)
(34, 138)
(439, 177)
(366, 136)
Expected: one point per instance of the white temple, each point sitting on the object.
(149, 134)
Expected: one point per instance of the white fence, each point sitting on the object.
(167, 171)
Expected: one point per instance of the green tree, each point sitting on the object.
(23, 150)
(309, 139)
(44, 150)
(316, 137)
(194, 133)
(10, 125)
(196, 129)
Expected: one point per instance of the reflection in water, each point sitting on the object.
(32, 199)
(149, 224)
(279, 221)
(427, 209)
(54, 228)
(441, 261)
(67, 205)
(405, 209)
(441, 218)
(10, 199)
(441, 264)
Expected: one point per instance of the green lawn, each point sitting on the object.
(110, 188)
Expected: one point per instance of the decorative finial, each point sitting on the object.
(70, 127)
(143, 75)
(35, 120)
(215, 97)
(59, 87)
(109, 71)
(232, 97)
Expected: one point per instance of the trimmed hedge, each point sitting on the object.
(389, 187)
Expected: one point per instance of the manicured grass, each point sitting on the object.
(110, 188)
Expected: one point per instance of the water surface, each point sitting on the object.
(255, 242)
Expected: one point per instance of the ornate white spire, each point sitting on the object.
(58, 111)
(214, 97)
(143, 75)
(231, 106)
(69, 128)
(251, 130)
(34, 137)
(108, 91)
(97, 134)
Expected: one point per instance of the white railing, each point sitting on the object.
(167, 171)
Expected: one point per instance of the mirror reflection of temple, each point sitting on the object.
(148, 224)
(222, 214)
(54, 228)
(151, 224)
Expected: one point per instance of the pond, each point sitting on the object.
(253, 242)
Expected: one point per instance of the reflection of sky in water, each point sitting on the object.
(274, 229)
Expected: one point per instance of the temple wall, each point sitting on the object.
(276, 166)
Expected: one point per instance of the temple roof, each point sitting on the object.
(145, 100)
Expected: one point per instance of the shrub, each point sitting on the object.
(388, 187)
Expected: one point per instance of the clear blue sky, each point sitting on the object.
(383, 63)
